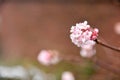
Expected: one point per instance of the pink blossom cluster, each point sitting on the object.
(48, 57)
(82, 34)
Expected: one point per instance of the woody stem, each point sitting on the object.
(107, 45)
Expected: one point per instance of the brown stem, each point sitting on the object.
(107, 45)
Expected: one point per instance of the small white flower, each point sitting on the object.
(88, 49)
(67, 76)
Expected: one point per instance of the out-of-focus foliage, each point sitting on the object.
(27, 72)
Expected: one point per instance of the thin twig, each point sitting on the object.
(107, 45)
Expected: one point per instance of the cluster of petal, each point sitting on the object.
(48, 57)
(88, 50)
(67, 76)
(83, 33)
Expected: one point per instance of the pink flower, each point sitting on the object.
(83, 33)
(48, 57)
(67, 76)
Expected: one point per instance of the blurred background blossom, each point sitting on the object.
(48, 57)
(21, 73)
(67, 76)
(117, 28)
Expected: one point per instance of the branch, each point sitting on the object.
(107, 45)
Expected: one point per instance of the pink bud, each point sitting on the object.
(94, 34)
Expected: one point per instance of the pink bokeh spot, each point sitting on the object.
(48, 57)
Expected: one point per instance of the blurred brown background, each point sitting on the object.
(27, 27)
